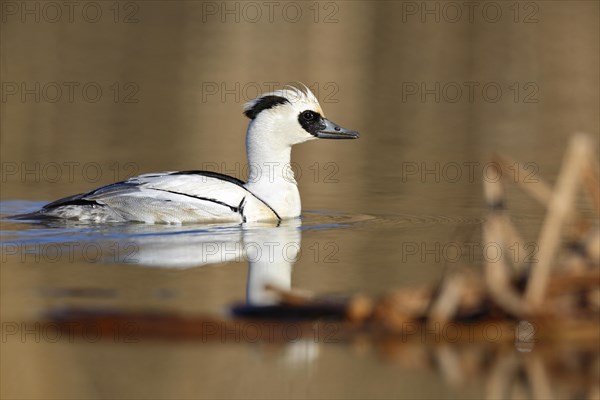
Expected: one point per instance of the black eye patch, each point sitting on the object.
(265, 103)
(311, 121)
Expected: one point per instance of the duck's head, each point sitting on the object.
(290, 116)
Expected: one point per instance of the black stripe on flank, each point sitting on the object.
(211, 174)
(226, 178)
(76, 200)
(241, 208)
(110, 186)
(270, 208)
(232, 208)
(264, 103)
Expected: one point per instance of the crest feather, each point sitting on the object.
(289, 94)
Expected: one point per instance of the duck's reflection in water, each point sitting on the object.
(271, 250)
(271, 254)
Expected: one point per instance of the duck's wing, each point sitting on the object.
(168, 197)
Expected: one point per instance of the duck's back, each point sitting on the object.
(166, 197)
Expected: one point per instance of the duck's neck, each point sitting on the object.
(270, 176)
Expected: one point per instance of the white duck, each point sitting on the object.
(278, 120)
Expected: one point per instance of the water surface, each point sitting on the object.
(386, 211)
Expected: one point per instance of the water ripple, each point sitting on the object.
(48, 232)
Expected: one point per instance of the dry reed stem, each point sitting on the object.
(560, 205)
(591, 182)
(542, 192)
(539, 189)
(446, 305)
(497, 277)
(512, 236)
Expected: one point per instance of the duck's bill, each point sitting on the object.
(334, 131)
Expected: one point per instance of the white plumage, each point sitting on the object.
(279, 120)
